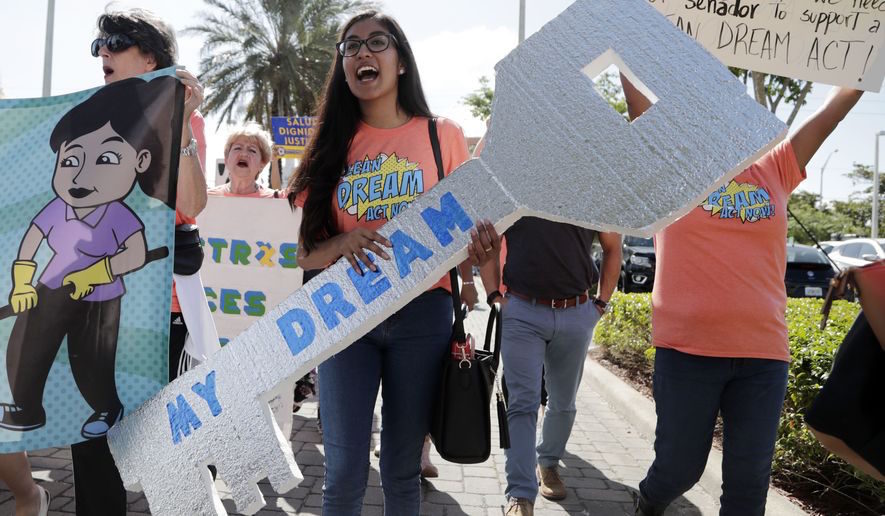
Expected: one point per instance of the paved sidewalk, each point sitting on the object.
(605, 459)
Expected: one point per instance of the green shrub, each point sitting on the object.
(625, 338)
(624, 334)
(798, 455)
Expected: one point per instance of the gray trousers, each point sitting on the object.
(537, 338)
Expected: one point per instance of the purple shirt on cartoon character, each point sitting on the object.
(79, 243)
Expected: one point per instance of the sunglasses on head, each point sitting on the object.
(114, 43)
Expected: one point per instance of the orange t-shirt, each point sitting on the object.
(719, 279)
(263, 192)
(198, 126)
(388, 168)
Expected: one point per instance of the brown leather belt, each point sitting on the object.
(553, 303)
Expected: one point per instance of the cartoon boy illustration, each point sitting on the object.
(103, 146)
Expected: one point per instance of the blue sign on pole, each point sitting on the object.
(291, 134)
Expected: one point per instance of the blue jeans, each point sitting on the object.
(405, 353)
(689, 392)
(537, 338)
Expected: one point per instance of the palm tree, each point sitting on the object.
(268, 56)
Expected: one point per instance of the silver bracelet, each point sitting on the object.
(191, 149)
(468, 282)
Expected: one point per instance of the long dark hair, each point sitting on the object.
(337, 117)
(139, 111)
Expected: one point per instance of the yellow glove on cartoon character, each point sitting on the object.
(24, 295)
(85, 280)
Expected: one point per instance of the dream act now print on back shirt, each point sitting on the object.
(719, 279)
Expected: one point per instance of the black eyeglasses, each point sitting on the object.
(114, 43)
(375, 44)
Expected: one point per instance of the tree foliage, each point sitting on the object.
(773, 91)
(607, 84)
(863, 174)
(480, 100)
(268, 57)
(824, 222)
(833, 220)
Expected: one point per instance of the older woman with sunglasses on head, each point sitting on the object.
(132, 43)
(370, 158)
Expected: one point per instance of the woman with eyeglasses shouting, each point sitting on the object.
(370, 157)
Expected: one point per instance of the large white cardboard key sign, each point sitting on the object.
(835, 42)
(590, 167)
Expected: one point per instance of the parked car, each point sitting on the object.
(858, 251)
(829, 245)
(808, 271)
(638, 264)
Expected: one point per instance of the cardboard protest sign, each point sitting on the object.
(291, 134)
(89, 205)
(835, 42)
(589, 167)
(249, 267)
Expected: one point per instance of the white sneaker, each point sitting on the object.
(45, 498)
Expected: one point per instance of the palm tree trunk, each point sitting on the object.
(806, 89)
(759, 88)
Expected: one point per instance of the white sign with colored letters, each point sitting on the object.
(249, 267)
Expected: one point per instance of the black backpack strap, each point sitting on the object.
(458, 330)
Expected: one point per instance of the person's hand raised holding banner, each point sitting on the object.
(817, 127)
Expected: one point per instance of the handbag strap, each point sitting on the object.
(458, 333)
(494, 326)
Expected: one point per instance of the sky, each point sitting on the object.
(455, 43)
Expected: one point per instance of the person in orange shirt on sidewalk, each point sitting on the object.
(369, 159)
(247, 152)
(718, 323)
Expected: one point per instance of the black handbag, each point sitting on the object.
(188, 250)
(461, 428)
(849, 405)
(847, 412)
